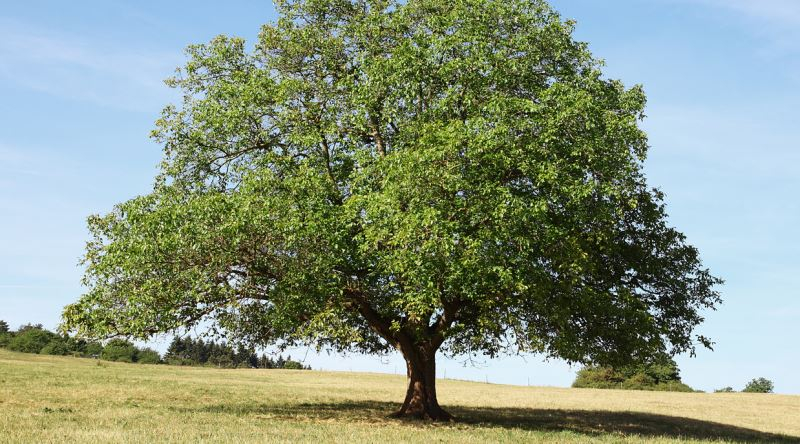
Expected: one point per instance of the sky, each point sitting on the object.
(81, 84)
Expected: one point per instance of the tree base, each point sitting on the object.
(436, 414)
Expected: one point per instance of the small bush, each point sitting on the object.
(119, 350)
(31, 340)
(148, 356)
(659, 376)
(725, 390)
(638, 381)
(93, 350)
(55, 347)
(5, 338)
(293, 365)
(598, 377)
(759, 385)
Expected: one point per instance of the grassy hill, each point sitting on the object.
(55, 399)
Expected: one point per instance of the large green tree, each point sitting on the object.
(424, 176)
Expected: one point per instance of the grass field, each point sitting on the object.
(55, 399)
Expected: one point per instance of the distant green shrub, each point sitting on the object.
(759, 385)
(725, 390)
(56, 347)
(93, 350)
(119, 350)
(598, 377)
(5, 338)
(661, 376)
(293, 365)
(31, 339)
(148, 356)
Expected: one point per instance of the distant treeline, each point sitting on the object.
(662, 375)
(189, 351)
(33, 338)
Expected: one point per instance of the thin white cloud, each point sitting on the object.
(18, 161)
(776, 20)
(777, 11)
(775, 24)
(70, 67)
(15, 161)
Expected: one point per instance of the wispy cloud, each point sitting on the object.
(779, 20)
(14, 161)
(776, 11)
(18, 161)
(71, 67)
(775, 23)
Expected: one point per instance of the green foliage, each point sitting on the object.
(725, 390)
(5, 338)
(293, 365)
(35, 339)
(3, 327)
(31, 339)
(93, 350)
(29, 326)
(662, 375)
(759, 385)
(402, 175)
(56, 347)
(148, 356)
(190, 351)
(119, 350)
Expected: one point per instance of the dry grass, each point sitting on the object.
(54, 399)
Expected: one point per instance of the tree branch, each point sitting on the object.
(378, 323)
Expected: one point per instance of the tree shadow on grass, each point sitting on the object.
(586, 422)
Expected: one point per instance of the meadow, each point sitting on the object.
(65, 399)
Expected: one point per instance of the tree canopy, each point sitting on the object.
(759, 385)
(421, 176)
(661, 374)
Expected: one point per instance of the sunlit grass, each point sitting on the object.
(54, 399)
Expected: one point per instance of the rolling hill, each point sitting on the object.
(58, 399)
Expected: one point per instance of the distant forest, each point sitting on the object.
(34, 338)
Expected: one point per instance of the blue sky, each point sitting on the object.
(81, 85)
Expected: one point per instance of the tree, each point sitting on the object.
(93, 350)
(662, 374)
(29, 326)
(176, 352)
(5, 334)
(119, 350)
(31, 339)
(55, 347)
(425, 176)
(293, 365)
(148, 356)
(759, 385)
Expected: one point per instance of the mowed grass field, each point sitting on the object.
(63, 399)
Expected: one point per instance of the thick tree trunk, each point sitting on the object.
(421, 399)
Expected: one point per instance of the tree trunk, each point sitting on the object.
(421, 399)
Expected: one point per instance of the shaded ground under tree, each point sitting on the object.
(592, 423)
